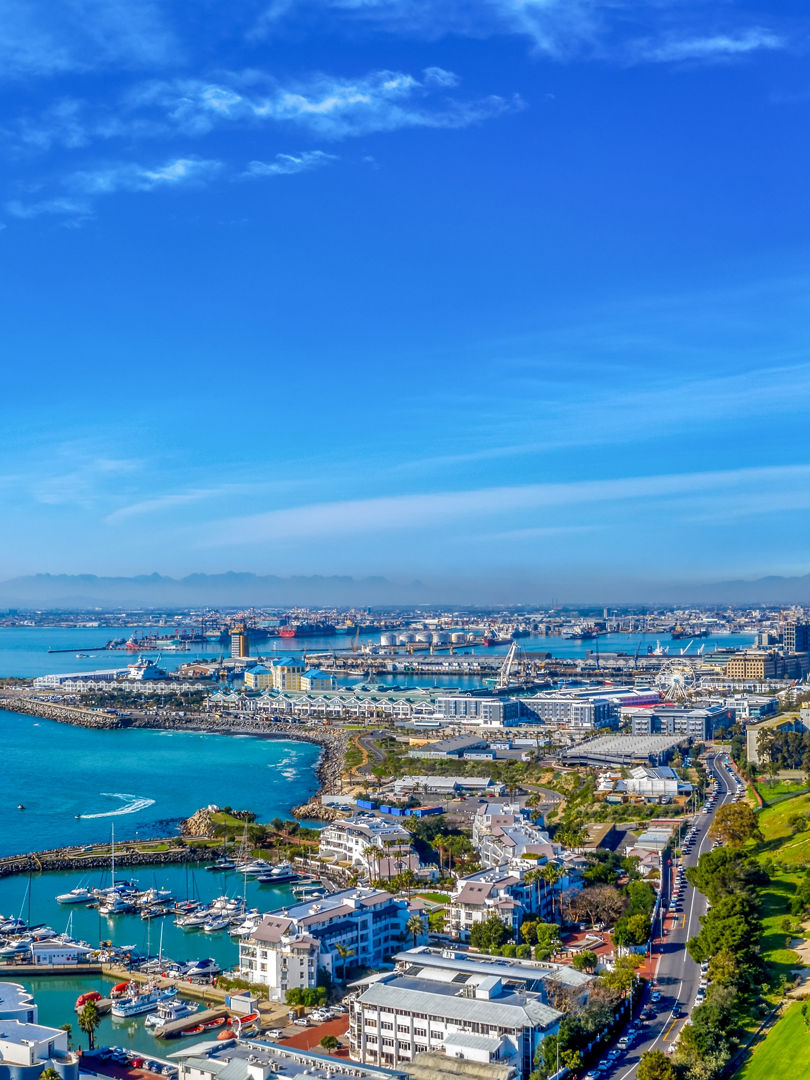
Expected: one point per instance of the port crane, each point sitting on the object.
(505, 672)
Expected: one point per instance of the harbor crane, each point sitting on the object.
(502, 682)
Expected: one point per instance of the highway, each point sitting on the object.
(675, 974)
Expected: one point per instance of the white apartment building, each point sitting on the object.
(26, 1050)
(474, 1015)
(378, 849)
(503, 832)
(291, 944)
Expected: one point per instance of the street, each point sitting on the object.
(676, 975)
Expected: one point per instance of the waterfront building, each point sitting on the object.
(27, 1049)
(478, 1015)
(379, 849)
(287, 672)
(240, 643)
(258, 677)
(291, 944)
(480, 711)
(796, 636)
(254, 1059)
(667, 719)
(80, 680)
(316, 680)
(17, 1003)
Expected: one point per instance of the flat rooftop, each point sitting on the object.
(231, 1062)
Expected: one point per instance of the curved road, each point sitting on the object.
(676, 975)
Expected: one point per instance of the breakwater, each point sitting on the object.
(156, 853)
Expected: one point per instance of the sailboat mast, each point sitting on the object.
(112, 851)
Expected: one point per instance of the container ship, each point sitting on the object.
(307, 629)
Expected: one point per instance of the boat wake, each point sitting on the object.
(132, 806)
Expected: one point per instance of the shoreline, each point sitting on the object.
(328, 768)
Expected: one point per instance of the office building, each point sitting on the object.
(240, 643)
(479, 1015)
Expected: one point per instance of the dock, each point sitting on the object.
(174, 1027)
(22, 970)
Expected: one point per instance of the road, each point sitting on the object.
(676, 975)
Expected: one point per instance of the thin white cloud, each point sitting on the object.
(711, 47)
(431, 510)
(330, 106)
(59, 206)
(562, 29)
(130, 176)
(289, 164)
(86, 185)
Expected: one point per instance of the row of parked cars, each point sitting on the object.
(318, 1016)
(119, 1055)
(623, 1044)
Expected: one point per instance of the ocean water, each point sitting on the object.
(76, 782)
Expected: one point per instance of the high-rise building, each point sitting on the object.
(240, 643)
(796, 636)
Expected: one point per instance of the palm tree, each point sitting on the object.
(88, 1021)
(344, 952)
(49, 1073)
(371, 854)
(69, 1029)
(415, 926)
(552, 874)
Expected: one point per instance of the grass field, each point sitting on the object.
(784, 1053)
(773, 822)
(774, 789)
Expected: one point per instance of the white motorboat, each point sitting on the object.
(217, 923)
(141, 1000)
(168, 1011)
(76, 896)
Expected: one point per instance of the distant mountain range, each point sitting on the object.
(87, 591)
(76, 591)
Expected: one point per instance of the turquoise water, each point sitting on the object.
(76, 782)
(56, 995)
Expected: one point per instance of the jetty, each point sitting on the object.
(176, 1027)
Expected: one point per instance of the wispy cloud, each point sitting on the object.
(43, 38)
(712, 47)
(86, 185)
(60, 206)
(330, 106)
(289, 164)
(130, 176)
(429, 510)
(562, 29)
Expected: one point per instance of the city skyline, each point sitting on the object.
(502, 292)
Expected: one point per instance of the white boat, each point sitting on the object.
(114, 905)
(216, 923)
(76, 896)
(168, 1011)
(199, 968)
(141, 1000)
(194, 918)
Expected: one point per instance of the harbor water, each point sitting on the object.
(76, 782)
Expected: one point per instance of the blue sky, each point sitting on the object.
(513, 290)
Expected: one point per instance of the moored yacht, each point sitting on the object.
(78, 895)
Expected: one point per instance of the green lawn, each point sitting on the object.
(772, 789)
(785, 1052)
(773, 821)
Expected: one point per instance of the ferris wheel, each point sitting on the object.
(676, 680)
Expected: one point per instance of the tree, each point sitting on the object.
(623, 973)
(415, 926)
(489, 934)
(585, 960)
(89, 1020)
(344, 952)
(69, 1029)
(49, 1073)
(548, 940)
(329, 1043)
(734, 824)
(598, 904)
(631, 930)
(655, 1065)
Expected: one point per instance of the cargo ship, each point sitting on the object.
(307, 629)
